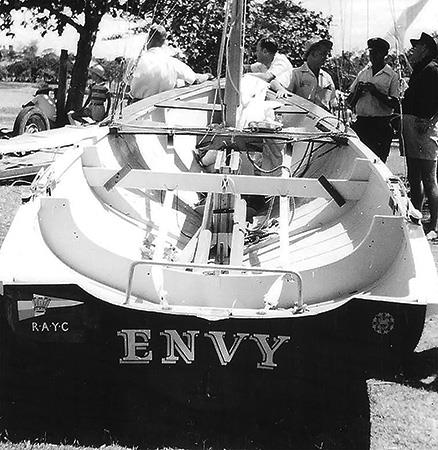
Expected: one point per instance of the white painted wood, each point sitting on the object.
(361, 170)
(238, 235)
(372, 258)
(203, 248)
(232, 184)
(58, 137)
(163, 225)
(284, 212)
(188, 252)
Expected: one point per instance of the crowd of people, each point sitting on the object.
(375, 97)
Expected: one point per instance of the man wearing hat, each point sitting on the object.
(157, 71)
(374, 96)
(419, 130)
(310, 80)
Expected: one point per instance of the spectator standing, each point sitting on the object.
(157, 71)
(98, 102)
(310, 81)
(270, 63)
(374, 97)
(419, 131)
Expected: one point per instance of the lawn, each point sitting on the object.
(13, 96)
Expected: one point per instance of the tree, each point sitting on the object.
(344, 68)
(114, 71)
(290, 23)
(196, 27)
(83, 15)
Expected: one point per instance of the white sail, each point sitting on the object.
(404, 21)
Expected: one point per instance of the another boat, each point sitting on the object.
(212, 261)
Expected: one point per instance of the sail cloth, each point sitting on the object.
(253, 107)
(404, 21)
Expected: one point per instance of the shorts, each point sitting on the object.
(419, 138)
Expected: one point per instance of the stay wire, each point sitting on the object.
(400, 77)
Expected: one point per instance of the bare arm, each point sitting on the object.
(277, 87)
(265, 76)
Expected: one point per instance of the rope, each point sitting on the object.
(255, 165)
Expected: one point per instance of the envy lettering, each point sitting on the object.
(138, 348)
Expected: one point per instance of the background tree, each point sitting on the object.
(114, 71)
(196, 27)
(289, 22)
(345, 67)
(84, 16)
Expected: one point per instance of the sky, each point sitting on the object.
(354, 21)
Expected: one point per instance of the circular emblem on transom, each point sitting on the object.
(383, 323)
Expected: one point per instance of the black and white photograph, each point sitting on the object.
(218, 225)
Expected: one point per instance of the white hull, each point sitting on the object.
(118, 216)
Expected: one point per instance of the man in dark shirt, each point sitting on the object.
(419, 133)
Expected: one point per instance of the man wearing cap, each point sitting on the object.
(310, 80)
(374, 96)
(270, 63)
(419, 131)
(157, 71)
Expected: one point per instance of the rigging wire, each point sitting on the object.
(368, 19)
(342, 115)
(399, 72)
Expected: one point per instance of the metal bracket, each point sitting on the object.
(289, 274)
(115, 179)
(335, 194)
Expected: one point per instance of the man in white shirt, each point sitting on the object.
(270, 63)
(310, 81)
(374, 95)
(157, 71)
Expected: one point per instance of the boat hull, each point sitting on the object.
(204, 363)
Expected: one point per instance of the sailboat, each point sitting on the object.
(216, 246)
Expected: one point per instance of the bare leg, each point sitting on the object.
(428, 176)
(415, 184)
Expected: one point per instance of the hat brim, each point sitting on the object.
(432, 46)
(415, 42)
(325, 42)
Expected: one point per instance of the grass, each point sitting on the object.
(13, 96)
(404, 413)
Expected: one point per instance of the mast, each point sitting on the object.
(234, 62)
